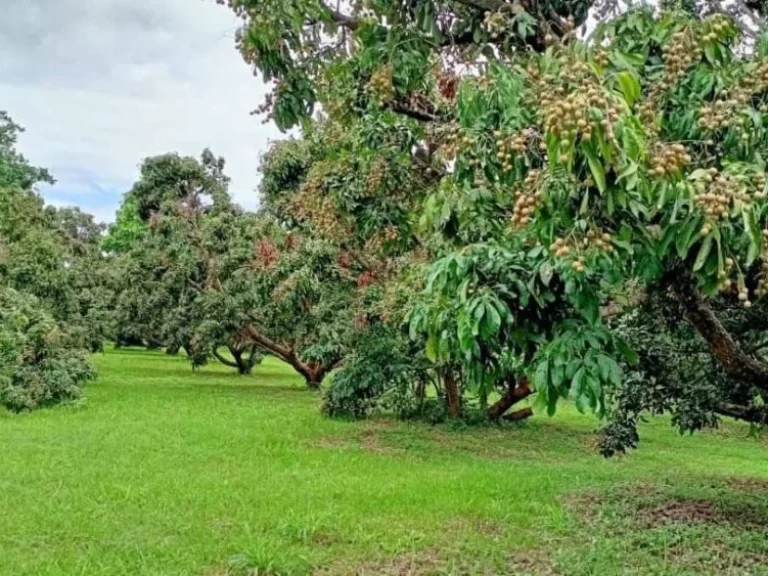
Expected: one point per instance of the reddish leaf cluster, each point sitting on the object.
(365, 279)
(267, 253)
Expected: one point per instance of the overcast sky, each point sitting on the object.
(102, 84)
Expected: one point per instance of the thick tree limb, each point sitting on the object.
(223, 359)
(516, 391)
(722, 344)
(339, 18)
(747, 413)
(519, 415)
(313, 373)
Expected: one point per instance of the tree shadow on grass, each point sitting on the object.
(485, 442)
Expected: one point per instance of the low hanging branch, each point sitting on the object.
(516, 392)
(314, 373)
(724, 347)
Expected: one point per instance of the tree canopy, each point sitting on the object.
(572, 179)
(52, 298)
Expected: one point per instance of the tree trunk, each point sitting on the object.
(519, 415)
(243, 367)
(516, 391)
(225, 360)
(313, 373)
(722, 344)
(452, 393)
(421, 391)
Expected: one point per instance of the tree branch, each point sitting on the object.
(516, 391)
(337, 17)
(722, 344)
(223, 360)
(746, 413)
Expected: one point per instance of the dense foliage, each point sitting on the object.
(38, 364)
(202, 274)
(53, 290)
(568, 181)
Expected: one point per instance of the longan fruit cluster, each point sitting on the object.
(601, 58)
(560, 248)
(755, 82)
(469, 144)
(722, 276)
(381, 85)
(762, 284)
(578, 264)
(376, 175)
(601, 241)
(715, 199)
(679, 55)
(569, 116)
(758, 183)
(509, 146)
(717, 114)
(744, 297)
(525, 206)
(391, 233)
(716, 24)
(448, 136)
(669, 159)
(526, 201)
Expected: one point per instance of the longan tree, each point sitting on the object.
(204, 274)
(51, 309)
(577, 179)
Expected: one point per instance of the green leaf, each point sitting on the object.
(432, 347)
(545, 273)
(685, 237)
(595, 167)
(704, 251)
(493, 319)
(629, 354)
(541, 376)
(709, 52)
(629, 86)
(754, 236)
(609, 369)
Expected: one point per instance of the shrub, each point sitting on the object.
(38, 365)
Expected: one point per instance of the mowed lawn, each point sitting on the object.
(162, 471)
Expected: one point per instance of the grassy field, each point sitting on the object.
(161, 471)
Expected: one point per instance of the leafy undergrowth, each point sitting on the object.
(161, 471)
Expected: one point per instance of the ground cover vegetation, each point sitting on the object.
(166, 471)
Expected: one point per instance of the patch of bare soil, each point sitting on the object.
(717, 557)
(756, 486)
(533, 563)
(426, 563)
(692, 512)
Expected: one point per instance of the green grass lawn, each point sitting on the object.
(161, 471)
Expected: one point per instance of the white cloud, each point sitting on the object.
(102, 84)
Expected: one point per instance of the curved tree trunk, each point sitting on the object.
(223, 359)
(516, 391)
(313, 373)
(723, 346)
(725, 349)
